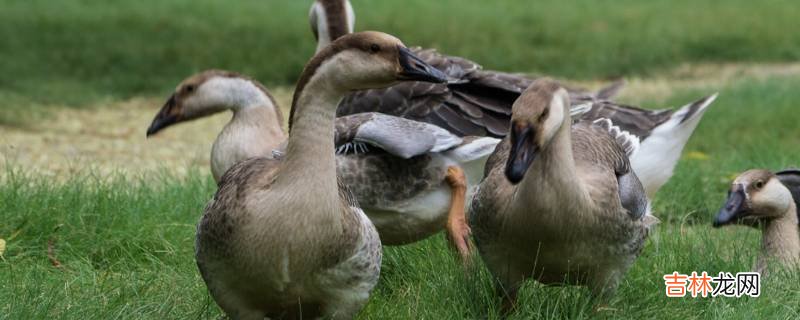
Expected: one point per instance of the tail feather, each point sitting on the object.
(659, 153)
(610, 91)
(695, 108)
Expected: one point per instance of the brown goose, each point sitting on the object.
(559, 203)
(478, 102)
(769, 201)
(410, 177)
(284, 238)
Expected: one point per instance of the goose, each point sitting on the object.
(411, 178)
(559, 203)
(283, 238)
(478, 102)
(254, 129)
(767, 200)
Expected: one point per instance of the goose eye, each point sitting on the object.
(374, 48)
(543, 115)
(759, 184)
(189, 89)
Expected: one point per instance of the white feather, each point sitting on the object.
(658, 155)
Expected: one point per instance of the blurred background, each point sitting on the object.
(81, 80)
(81, 52)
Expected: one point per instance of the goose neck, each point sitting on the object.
(552, 178)
(334, 19)
(310, 149)
(780, 240)
(264, 117)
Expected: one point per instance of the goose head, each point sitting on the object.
(363, 60)
(330, 20)
(368, 60)
(755, 196)
(536, 116)
(207, 93)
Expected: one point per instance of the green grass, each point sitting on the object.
(126, 251)
(126, 244)
(86, 52)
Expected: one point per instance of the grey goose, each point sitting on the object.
(559, 202)
(478, 102)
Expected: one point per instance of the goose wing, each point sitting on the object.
(642, 122)
(628, 142)
(637, 121)
(475, 102)
(791, 179)
(398, 136)
(603, 142)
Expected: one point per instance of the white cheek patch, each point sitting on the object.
(774, 195)
(556, 117)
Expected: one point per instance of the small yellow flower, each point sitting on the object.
(697, 155)
(2, 247)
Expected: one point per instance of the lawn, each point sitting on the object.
(84, 243)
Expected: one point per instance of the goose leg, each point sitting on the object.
(458, 230)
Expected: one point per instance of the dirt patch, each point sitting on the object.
(111, 139)
(704, 77)
(108, 139)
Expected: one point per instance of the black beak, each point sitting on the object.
(735, 208)
(523, 152)
(165, 117)
(414, 69)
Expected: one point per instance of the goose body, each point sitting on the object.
(559, 203)
(478, 102)
(405, 174)
(283, 237)
(768, 201)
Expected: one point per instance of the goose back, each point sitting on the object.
(475, 102)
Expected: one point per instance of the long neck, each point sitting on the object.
(254, 130)
(334, 18)
(780, 240)
(263, 118)
(310, 158)
(551, 179)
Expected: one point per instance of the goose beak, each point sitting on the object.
(735, 208)
(166, 117)
(523, 152)
(414, 69)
